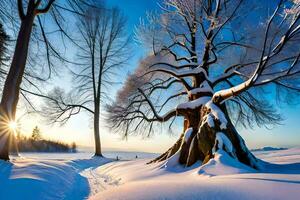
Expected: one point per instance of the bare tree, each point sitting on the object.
(213, 57)
(44, 14)
(103, 51)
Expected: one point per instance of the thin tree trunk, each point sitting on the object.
(10, 95)
(97, 131)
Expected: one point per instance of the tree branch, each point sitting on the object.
(46, 8)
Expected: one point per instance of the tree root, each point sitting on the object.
(202, 144)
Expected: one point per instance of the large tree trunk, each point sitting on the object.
(199, 141)
(14, 150)
(97, 132)
(10, 95)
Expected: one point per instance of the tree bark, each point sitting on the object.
(97, 131)
(10, 95)
(201, 143)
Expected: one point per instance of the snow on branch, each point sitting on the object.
(194, 104)
(207, 52)
(204, 88)
(268, 54)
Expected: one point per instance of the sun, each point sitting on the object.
(13, 125)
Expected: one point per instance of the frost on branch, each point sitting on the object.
(209, 70)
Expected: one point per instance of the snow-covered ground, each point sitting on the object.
(35, 177)
(122, 155)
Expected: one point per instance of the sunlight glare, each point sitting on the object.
(13, 125)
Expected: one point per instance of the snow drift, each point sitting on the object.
(100, 179)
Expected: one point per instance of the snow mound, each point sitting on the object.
(171, 162)
(44, 179)
(223, 164)
(222, 178)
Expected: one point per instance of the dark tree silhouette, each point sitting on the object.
(36, 134)
(212, 58)
(73, 147)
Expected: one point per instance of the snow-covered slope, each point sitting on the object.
(48, 179)
(221, 178)
(100, 179)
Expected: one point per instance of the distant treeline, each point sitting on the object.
(36, 143)
(270, 149)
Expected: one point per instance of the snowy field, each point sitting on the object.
(77, 176)
(122, 155)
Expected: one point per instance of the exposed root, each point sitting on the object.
(203, 143)
(170, 152)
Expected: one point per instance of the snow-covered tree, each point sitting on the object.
(213, 59)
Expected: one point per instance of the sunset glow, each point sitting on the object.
(13, 125)
(153, 99)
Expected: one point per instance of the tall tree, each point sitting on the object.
(31, 14)
(213, 57)
(10, 95)
(103, 51)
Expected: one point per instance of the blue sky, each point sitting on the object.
(286, 134)
(79, 130)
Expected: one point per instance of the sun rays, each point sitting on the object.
(13, 126)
